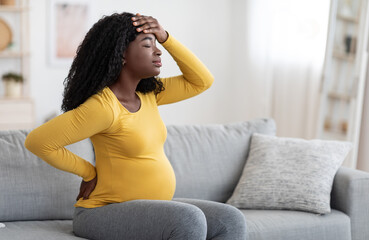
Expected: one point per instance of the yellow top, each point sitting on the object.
(129, 147)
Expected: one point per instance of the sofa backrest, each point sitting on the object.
(207, 160)
(31, 189)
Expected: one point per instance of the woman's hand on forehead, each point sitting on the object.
(148, 24)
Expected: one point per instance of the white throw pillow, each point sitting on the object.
(289, 173)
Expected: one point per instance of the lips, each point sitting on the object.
(157, 63)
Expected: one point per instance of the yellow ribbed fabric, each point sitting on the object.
(130, 159)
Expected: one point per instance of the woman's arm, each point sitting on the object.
(195, 79)
(49, 140)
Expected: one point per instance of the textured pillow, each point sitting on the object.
(289, 173)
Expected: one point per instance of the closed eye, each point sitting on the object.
(147, 46)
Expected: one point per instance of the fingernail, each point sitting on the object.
(133, 18)
(135, 23)
(138, 29)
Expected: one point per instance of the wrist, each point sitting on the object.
(165, 38)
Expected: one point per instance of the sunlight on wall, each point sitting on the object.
(290, 30)
(286, 39)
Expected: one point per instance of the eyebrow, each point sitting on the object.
(147, 38)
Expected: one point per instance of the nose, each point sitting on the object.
(157, 51)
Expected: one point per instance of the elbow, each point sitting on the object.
(29, 143)
(209, 81)
(33, 143)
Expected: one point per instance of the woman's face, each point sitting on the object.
(142, 57)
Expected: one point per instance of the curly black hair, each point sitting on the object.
(99, 60)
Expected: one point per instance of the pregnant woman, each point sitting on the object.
(111, 96)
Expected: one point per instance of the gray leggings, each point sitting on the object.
(180, 218)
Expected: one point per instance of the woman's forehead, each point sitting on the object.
(146, 36)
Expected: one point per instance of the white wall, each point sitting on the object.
(46, 82)
(277, 55)
(205, 31)
(251, 83)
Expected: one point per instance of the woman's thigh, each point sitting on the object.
(141, 220)
(223, 220)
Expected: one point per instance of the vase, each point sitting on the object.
(12, 89)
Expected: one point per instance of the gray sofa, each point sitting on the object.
(36, 200)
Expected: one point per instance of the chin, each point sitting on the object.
(150, 76)
(157, 73)
(152, 73)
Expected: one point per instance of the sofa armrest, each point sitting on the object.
(350, 194)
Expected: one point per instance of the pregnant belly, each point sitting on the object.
(127, 180)
(144, 179)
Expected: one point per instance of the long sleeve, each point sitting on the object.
(49, 140)
(195, 79)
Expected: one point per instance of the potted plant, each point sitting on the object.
(12, 84)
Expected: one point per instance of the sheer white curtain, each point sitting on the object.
(279, 65)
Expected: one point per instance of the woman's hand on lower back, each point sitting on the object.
(149, 24)
(86, 188)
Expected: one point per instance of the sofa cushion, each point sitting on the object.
(32, 189)
(293, 225)
(208, 159)
(40, 230)
(289, 173)
(261, 225)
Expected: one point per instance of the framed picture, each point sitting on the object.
(69, 21)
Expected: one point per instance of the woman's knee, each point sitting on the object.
(236, 213)
(235, 221)
(190, 223)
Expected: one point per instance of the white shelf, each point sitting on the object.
(348, 19)
(342, 91)
(13, 9)
(339, 96)
(8, 54)
(11, 99)
(344, 56)
(17, 113)
(337, 135)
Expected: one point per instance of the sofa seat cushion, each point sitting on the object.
(261, 225)
(40, 230)
(293, 225)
